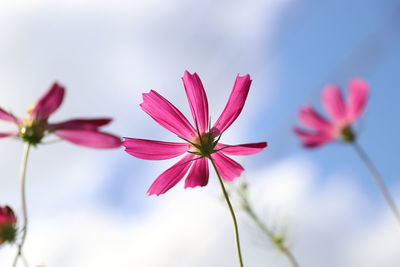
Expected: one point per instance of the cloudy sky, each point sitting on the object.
(89, 207)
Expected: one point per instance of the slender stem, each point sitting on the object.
(24, 260)
(378, 179)
(290, 256)
(266, 231)
(235, 225)
(23, 201)
(284, 249)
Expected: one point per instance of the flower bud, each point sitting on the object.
(8, 223)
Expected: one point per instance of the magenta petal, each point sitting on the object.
(154, 150)
(241, 150)
(6, 116)
(49, 103)
(89, 138)
(171, 176)
(82, 124)
(309, 117)
(227, 167)
(314, 139)
(8, 134)
(7, 215)
(358, 94)
(197, 100)
(198, 175)
(333, 102)
(235, 104)
(167, 115)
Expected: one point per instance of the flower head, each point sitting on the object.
(8, 223)
(35, 126)
(201, 141)
(343, 115)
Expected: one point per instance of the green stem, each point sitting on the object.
(264, 229)
(23, 201)
(235, 225)
(378, 179)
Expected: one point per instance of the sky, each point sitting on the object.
(90, 208)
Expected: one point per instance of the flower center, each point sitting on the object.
(204, 144)
(32, 131)
(347, 134)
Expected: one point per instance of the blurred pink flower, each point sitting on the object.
(342, 114)
(201, 141)
(35, 125)
(8, 222)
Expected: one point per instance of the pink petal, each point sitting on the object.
(154, 150)
(227, 167)
(7, 215)
(171, 176)
(358, 94)
(89, 138)
(8, 134)
(6, 116)
(83, 124)
(309, 117)
(315, 139)
(167, 115)
(197, 100)
(235, 104)
(241, 150)
(198, 175)
(334, 104)
(49, 103)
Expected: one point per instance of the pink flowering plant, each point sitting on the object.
(35, 126)
(201, 141)
(340, 127)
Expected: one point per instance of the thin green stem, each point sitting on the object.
(378, 179)
(24, 206)
(24, 260)
(267, 232)
(235, 224)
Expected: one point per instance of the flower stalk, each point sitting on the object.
(20, 245)
(378, 179)
(235, 224)
(277, 239)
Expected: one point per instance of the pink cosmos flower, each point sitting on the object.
(35, 125)
(343, 115)
(8, 222)
(201, 141)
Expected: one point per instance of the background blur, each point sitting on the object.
(89, 207)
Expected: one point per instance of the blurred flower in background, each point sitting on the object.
(8, 221)
(35, 126)
(342, 115)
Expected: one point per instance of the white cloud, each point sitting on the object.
(328, 225)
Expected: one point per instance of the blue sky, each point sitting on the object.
(332, 42)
